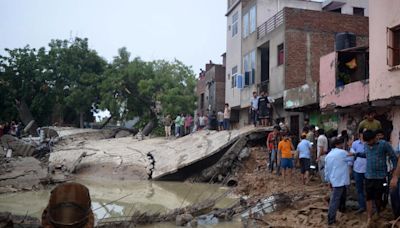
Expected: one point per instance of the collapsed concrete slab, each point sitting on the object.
(23, 173)
(129, 158)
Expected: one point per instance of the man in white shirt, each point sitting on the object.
(337, 174)
(322, 149)
(254, 108)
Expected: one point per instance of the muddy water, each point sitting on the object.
(144, 196)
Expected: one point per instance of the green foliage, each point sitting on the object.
(50, 81)
(134, 88)
(69, 81)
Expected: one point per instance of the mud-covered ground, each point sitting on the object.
(310, 206)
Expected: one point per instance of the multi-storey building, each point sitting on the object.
(211, 88)
(360, 79)
(275, 45)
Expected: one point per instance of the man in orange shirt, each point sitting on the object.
(285, 148)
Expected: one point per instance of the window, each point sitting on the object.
(393, 47)
(249, 63)
(234, 72)
(249, 22)
(235, 19)
(252, 19)
(358, 11)
(281, 54)
(246, 25)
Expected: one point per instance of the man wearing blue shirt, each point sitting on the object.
(359, 169)
(337, 174)
(376, 152)
(305, 157)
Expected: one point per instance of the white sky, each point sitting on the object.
(193, 31)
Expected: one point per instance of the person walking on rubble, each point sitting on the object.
(273, 140)
(304, 150)
(376, 152)
(337, 174)
(285, 148)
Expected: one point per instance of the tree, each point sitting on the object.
(39, 85)
(134, 88)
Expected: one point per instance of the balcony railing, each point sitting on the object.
(271, 24)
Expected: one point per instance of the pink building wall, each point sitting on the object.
(330, 96)
(384, 81)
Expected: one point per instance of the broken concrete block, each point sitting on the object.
(182, 220)
(122, 133)
(18, 146)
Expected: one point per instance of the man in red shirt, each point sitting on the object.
(273, 140)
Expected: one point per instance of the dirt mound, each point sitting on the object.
(309, 206)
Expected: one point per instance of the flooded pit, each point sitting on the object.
(113, 199)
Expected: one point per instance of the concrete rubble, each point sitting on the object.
(60, 154)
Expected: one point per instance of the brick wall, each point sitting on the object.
(321, 28)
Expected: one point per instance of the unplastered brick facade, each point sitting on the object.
(311, 34)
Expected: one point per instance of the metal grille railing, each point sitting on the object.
(271, 24)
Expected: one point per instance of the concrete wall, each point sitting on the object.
(330, 96)
(384, 82)
(276, 73)
(268, 8)
(348, 7)
(233, 57)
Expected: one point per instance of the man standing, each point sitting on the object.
(254, 108)
(202, 122)
(273, 140)
(370, 123)
(305, 157)
(220, 117)
(177, 125)
(188, 123)
(395, 190)
(167, 126)
(337, 174)
(227, 117)
(322, 150)
(285, 148)
(376, 152)
(311, 139)
(182, 124)
(359, 169)
(263, 109)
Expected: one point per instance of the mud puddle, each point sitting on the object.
(111, 199)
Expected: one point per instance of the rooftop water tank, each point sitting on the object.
(344, 40)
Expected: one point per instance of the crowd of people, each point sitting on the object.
(261, 109)
(186, 124)
(11, 128)
(339, 160)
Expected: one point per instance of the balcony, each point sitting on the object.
(344, 78)
(270, 25)
(303, 97)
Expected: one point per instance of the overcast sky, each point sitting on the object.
(192, 31)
